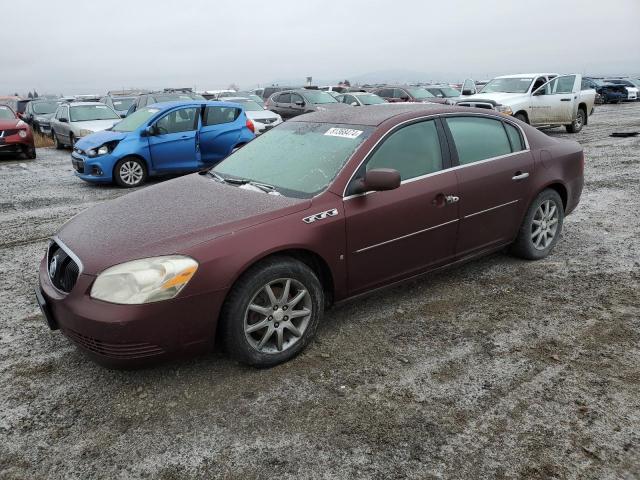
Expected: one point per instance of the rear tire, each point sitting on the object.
(578, 123)
(130, 172)
(265, 330)
(541, 227)
(72, 140)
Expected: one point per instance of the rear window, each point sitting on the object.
(478, 138)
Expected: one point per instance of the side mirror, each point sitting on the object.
(149, 131)
(300, 103)
(468, 91)
(63, 120)
(122, 115)
(379, 180)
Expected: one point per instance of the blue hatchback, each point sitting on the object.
(164, 138)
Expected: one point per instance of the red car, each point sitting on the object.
(322, 208)
(15, 134)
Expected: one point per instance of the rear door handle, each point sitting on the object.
(441, 200)
(520, 176)
(565, 99)
(452, 199)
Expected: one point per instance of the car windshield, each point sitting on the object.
(249, 105)
(170, 97)
(135, 120)
(43, 108)
(448, 92)
(370, 99)
(419, 93)
(86, 113)
(318, 97)
(120, 103)
(6, 114)
(508, 85)
(299, 159)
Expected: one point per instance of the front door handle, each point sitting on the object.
(451, 199)
(441, 200)
(565, 99)
(520, 176)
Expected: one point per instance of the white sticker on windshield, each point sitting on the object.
(101, 107)
(343, 132)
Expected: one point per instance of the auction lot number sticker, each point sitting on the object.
(343, 132)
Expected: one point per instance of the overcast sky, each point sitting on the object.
(80, 46)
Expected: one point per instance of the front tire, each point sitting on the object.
(522, 117)
(130, 172)
(56, 141)
(578, 123)
(272, 312)
(541, 227)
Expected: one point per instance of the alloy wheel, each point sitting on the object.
(278, 315)
(131, 172)
(544, 225)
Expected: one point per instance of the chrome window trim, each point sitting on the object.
(492, 208)
(436, 115)
(406, 236)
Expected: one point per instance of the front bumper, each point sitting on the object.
(93, 169)
(16, 144)
(126, 336)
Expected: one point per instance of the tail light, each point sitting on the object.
(251, 126)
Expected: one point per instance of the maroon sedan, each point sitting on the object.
(15, 134)
(322, 208)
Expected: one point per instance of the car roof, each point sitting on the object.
(80, 104)
(187, 103)
(374, 115)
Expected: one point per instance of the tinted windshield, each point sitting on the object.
(6, 114)
(319, 97)
(419, 93)
(508, 85)
(447, 92)
(120, 103)
(299, 159)
(135, 120)
(249, 105)
(170, 97)
(85, 113)
(43, 108)
(370, 99)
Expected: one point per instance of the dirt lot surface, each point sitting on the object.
(500, 368)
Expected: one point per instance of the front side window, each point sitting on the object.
(295, 98)
(413, 151)
(385, 92)
(478, 138)
(220, 115)
(400, 93)
(181, 120)
(349, 99)
(300, 159)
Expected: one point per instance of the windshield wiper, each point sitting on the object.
(265, 187)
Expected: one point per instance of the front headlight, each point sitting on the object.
(84, 133)
(504, 109)
(22, 133)
(103, 150)
(144, 281)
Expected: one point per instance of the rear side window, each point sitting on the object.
(385, 92)
(478, 138)
(517, 144)
(413, 151)
(399, 93)
(219, 115)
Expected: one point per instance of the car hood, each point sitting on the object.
(9, 123)
(168, 218)
(96, 125)
(497, 97)
(99, 138)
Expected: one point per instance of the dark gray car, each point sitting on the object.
(291, 103)
(38, 114)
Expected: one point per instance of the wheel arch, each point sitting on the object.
(134, 155)
(525, 113)
(583, 106)
(560, 188)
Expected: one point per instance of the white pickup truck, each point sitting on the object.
(540, 99)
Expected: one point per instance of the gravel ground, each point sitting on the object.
(500, 368)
